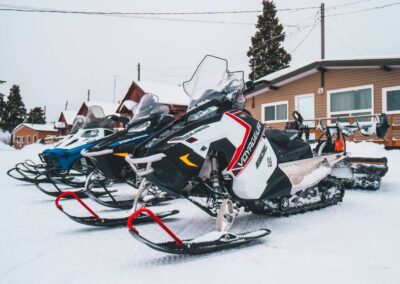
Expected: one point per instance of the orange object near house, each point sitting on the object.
(339, 145)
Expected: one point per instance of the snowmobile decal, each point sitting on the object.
(245, 151)
(188, 136)
(185, 159)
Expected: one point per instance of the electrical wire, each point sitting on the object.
(316, 20)
(365, 10)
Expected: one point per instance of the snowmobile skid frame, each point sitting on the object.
(97, 221)
(222, 241)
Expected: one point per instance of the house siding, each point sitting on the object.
(334, 79)
(25, 132)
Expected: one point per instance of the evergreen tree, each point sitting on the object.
(36, 115)
(15, 109)
(267, 54)
(2, 111)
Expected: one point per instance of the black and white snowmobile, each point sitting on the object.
(222, 159)
(111, 171)
(114, 175)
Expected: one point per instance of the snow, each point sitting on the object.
(108, 108)
(167, 94)
(5, 137)
(69, 116)
(356, 241)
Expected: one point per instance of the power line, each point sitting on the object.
(353, 36)
(317, 19)
(348, 4)
(366, 9)
(6, 7)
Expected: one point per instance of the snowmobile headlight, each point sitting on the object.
(140, 127)
(205, 113)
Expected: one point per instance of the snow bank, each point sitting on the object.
(5, 137)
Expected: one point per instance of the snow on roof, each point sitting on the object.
(108, 108)
(37, 127)
(167, 94)
(69, 116)
(290, 69)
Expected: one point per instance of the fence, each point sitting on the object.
(391, 139)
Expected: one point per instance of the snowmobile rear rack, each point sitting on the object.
(213, 242)
(96, 220)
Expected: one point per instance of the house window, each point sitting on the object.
(391, 100)
(28, 139)
(34, 138)
(355, 101)
(275, 112)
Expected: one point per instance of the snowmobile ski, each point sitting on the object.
(212, 242)
(97, 221)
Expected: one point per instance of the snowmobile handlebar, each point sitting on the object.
(178, 241)
(74, 195)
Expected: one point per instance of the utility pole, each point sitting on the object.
(66, 105)
(88, 95)
(138, 71)
(322, 31)
(115, 87)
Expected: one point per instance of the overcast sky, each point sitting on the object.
(55, 57)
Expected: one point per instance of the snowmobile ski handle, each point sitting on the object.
(86, 153)
(74, 195)
(145, 160)
(178, 241)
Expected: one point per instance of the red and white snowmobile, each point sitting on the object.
(222, 159)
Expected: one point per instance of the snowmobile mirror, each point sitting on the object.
(382, 126)
(298, 117)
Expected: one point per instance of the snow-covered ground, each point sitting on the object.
(357, 241)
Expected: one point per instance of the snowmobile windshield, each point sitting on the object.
(79, 121)
(96, 118)
(213, 81)
(147, 106)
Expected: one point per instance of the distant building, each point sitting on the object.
(170, 95)
(65, 122)
(27, 133)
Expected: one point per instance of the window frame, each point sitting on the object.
(263, 106)
(350, 112)
(384, 99)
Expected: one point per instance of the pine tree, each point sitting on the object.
(2, 111)
(267, 54)
(15, 109)
(36, 115)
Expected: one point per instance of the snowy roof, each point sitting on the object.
(108, 108)
(37, 127)
(167, 93)
(293, 73)
(69, 116)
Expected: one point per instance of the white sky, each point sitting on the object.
(55, 57)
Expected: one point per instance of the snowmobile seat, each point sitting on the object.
(287, 147)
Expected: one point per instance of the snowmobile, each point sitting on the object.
(354, 172)
(108, 156)
(111, 170)
(63, 167)
(221, 159)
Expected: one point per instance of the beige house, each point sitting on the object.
(329, 88)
